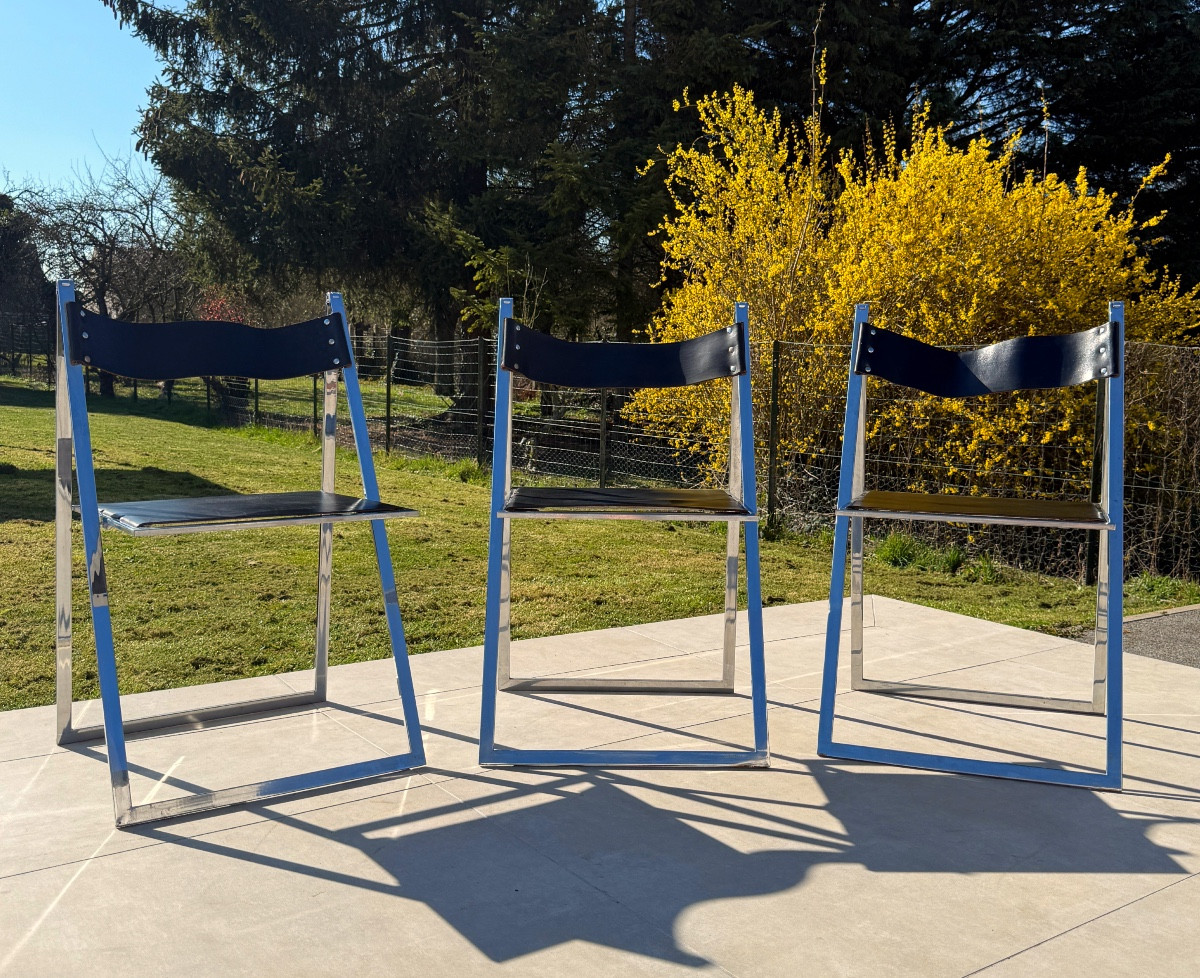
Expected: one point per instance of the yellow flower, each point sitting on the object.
(948, 244)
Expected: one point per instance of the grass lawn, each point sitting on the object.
(206, 607)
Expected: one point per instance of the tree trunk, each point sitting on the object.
(629, 48)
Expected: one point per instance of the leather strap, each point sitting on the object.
(1024, 363)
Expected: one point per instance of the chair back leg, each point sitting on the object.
(1111, 583)
(64, 475)
(89, 508)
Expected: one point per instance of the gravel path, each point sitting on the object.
(1173, 636)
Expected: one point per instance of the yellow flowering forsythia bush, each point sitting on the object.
(752, 207)
(946, 243)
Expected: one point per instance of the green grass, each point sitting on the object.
(206, 607)
(899, 550)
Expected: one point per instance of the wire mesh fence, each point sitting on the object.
(435, 398)
(27, 351)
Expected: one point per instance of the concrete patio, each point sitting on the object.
(811, 867)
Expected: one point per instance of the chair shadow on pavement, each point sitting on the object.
(517, 863)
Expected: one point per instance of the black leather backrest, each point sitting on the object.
(1024, 363)
(169, 351)
(547, 360)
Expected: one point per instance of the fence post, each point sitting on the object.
(387, 394)
(481, 392)
(29, 334)
(135, 388)
(12, 348)
(255, 416)
(314, 411)
(603, 437)
(773, 437)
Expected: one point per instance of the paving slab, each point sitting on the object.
(809, 867)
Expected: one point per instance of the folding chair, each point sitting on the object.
(166, 351)
(1025, 363)
(546, 360)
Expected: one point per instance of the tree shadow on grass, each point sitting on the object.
(28, 494)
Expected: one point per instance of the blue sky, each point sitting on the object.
(71, 86)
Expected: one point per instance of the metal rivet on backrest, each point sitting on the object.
(336, 361)
(867, 368)
(331, 341)
(326, 322)
(870, 349)
(84, 335)
(1103, 371)
(87, 359)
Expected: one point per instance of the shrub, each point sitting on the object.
(948, 561)
(948, 244)
(752, 200)
(899, 550)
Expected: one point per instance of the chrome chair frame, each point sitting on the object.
(497, 674)
(73, 457)
(1103, 516)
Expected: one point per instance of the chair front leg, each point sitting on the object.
(833, 633)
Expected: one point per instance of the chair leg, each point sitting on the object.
(130, 814)
(106, 666)
(106, 663)
(856, 602)
(1103, 593)
(504, 678)
(63, 447)
(1110, 778)
(725, 684)
(325, 548)
(833, 636)
(1094, 704)
(324, 594)
(1110, 601)
(758, 665)
(404, 681)
(496, 645)
(194, 718)
(732, 554)
(495, 619)
(596, 684)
